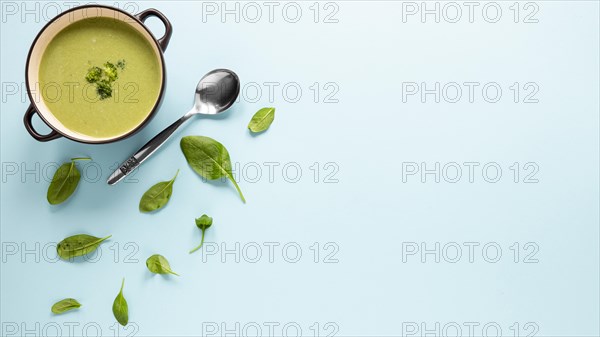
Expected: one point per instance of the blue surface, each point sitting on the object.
(370, 217)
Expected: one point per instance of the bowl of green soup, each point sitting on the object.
(96, 74)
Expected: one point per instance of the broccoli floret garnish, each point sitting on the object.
(94, 74)
(104, 89)
(111, 71)
(104, 77)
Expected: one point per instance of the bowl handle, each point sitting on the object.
(163, 42)
(29, 126)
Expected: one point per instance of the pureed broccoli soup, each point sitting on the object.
(100, 77)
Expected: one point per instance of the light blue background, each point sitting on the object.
(368, 213)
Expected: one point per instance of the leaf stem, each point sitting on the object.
(81, 158)
(201, 243)
(122, 285)
(237, 188)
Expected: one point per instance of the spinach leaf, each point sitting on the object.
(120, 308)
(157, 196)
(203, 222)
(78, 245)
(208, 158)
(159, 265)
(65, 305)
(64, 182)
(262, 119)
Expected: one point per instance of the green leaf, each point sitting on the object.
(262, 119)
(78, 245)
(64, 182)
(65, 305)
(159, 265)
(203, 222)
(208, 158)
(157, 196)
(120, 308)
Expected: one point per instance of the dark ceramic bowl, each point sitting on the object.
(46, 35)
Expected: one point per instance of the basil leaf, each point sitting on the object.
(157, 196)
(208, 158)
(262, 119)
(64, 182)
(203, 222)
(78, 245)
(120, 308)
(65, 305)
(159, 265)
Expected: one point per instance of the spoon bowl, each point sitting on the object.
(216, 92)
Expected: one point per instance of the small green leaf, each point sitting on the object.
(64, 182)
(78, 245)
(120, 308)
(65, 305)
(159, 265)
(203, 222)
(262, 119)
(157, 196)
(209, 158)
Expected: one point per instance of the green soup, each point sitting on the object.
(113, 102)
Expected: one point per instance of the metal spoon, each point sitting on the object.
(215, 93)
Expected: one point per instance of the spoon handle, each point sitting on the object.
(144, 152)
